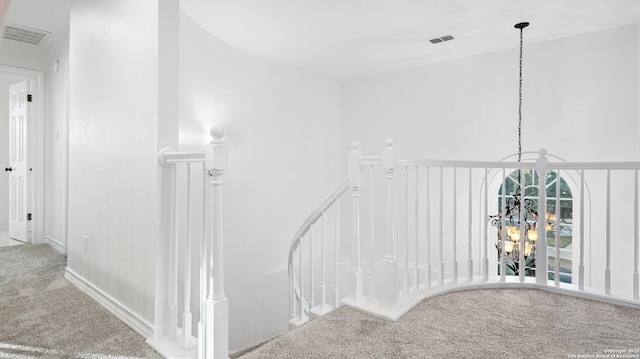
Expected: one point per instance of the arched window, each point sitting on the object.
(564, 225)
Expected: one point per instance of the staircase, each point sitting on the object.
(416, 228)
(191, 213)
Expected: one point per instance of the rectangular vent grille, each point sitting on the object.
(438, 40)
(24, 34)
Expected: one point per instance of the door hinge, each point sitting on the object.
(29, 98)
(28, 216)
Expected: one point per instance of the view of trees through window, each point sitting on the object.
(564, 224)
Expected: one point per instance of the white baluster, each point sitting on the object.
(389, 297)
(311, 294)
(542, 166)
(428, 232)
(441, 227)
(336, 294)
(503, 229)
(292, 299)
(186, 315)
(469, 229)
(581, 265)
(323, 282)
(455, 229)
(173, 262)
(521, 222)
(607, 271)
(485, 259)
(301, 299)
(217, 161)
(416, 271)
(636, 214)
(556, 275)
(354, 278)
(203, 267)
(405, 277)
(372, 207)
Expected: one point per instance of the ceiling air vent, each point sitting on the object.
(438, 40)
(24, 34)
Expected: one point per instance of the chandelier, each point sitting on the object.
(520, 215)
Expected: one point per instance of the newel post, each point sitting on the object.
(217, 306)
(389, 293)
(354, 278)
(542, 167)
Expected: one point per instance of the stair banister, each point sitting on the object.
(217, 305)
(395, 297)
(389, 296)
(213, 323)
(295, 294)
(354, 278)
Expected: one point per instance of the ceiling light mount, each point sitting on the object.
(521, 25)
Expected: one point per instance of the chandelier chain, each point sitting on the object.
(520, 104)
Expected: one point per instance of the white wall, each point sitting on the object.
(55, 138)
(574, 88)
(13, 53)
(638, 90)
(283, 131)
(112, 150)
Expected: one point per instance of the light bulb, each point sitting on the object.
(508, 246)
(515, 235)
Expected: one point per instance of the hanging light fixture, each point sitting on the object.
(518, 208)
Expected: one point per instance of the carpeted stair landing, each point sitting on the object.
(493, 323)
(42, 315)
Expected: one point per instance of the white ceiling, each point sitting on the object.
(352, 38)
(49, 15)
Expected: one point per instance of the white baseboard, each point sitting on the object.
(57, 245)
(130, 318)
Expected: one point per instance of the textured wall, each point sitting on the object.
(55, 138)
(112, 149)
(574, 88)
(283, 131)
(26, 56)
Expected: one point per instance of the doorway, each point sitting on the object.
(35, 154)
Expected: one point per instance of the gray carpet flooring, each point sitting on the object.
(42, 315)
(495, 323)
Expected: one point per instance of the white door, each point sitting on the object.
(18, 164)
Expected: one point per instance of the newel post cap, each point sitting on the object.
(217, 152)
(542, 152)
(354, 170)
(389, 161)
(542, 163)
(390, 144)
(217, 133)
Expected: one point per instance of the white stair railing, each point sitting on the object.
(302, 305)
(437, 237)
(186, 216)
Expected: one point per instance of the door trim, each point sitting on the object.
(36, 147)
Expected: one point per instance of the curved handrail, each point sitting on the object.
(338, 191)
(331, 198)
